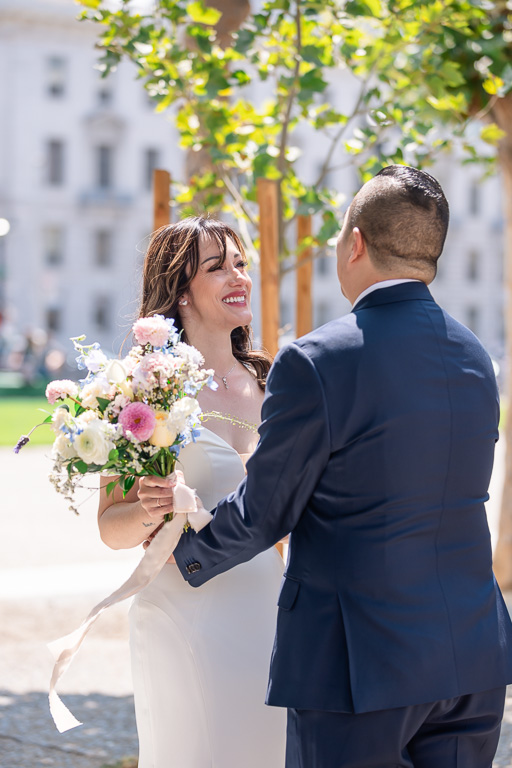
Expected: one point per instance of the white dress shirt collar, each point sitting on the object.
(382, 284)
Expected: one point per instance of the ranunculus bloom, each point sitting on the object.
(151, 330)
(63, 448)
(139, 419)
(164, 433)
(93, 444)
(59, 390)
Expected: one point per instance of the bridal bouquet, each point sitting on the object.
(128, 417)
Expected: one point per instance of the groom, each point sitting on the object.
(393, 643)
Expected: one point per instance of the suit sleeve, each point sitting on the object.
(291, 456)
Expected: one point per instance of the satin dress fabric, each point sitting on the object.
(200, 657)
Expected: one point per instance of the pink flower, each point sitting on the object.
(59, 390)
(139, 419)
(151, 330)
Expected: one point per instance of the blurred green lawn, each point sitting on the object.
(17, 417)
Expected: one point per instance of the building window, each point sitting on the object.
(102, 313)
(53, 319)
(105, 97)
(53, 244)
(150, 163)
(55, 162)
(105, 159)
(56, 76)
(473, 319)
(473, 261)
(474, 199)
(103, 248)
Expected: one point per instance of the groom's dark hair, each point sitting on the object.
(403, 216)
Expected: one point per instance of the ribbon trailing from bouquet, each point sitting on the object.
(153, 560)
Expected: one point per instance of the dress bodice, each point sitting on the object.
(212, 467)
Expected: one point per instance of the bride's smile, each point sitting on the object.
(219, 295)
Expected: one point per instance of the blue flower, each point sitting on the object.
(195, 434)
(80, 362)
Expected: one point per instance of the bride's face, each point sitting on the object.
(219, 296)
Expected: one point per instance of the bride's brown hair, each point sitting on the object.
(172, 262)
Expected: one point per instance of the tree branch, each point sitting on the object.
(337, 137)
(237, 197)
(281, 162)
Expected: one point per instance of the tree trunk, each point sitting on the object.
(502, 114)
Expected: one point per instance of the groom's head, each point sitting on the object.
(395, 228)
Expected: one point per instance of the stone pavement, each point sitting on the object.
(53, 568)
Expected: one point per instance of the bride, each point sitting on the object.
(200, 658)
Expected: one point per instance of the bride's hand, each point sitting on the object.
(156, 496)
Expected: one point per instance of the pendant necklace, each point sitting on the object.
(224, 378)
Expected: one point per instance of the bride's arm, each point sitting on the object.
(125, 523)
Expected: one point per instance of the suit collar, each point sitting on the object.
(404, 292)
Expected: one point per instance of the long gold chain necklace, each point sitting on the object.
(243, 423)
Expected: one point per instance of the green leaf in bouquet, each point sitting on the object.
(127, 482)
(102, 403)
(111, 486)
(113, 455)
(79, 409)
(81, 466)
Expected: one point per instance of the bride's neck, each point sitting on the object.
(214, 346)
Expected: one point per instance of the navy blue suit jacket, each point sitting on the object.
(375, 451)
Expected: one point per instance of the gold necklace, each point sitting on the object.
(243, 423)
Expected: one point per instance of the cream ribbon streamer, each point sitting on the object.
(153, 560)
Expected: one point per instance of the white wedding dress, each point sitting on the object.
(200, 656)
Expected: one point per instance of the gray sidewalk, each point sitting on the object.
(53, 568)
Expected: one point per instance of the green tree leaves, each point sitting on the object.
(374, 82)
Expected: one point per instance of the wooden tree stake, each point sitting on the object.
(161, 198)
(269, 262)
(304, 306)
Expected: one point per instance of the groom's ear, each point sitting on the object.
(358, 245)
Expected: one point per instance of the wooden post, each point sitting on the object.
(269, 262)
(161, 198)
(304, 306)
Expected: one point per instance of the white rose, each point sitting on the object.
(115, 372)
(62, 448)
(98, 387)
(93, 444)
(181, 410)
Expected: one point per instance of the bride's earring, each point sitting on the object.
(183, 303)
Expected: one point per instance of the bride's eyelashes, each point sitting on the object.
(240, 265)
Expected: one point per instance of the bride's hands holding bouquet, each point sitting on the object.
(156, 496)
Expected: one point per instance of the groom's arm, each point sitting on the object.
(292, 453)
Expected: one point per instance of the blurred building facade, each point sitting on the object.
(76, 160)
